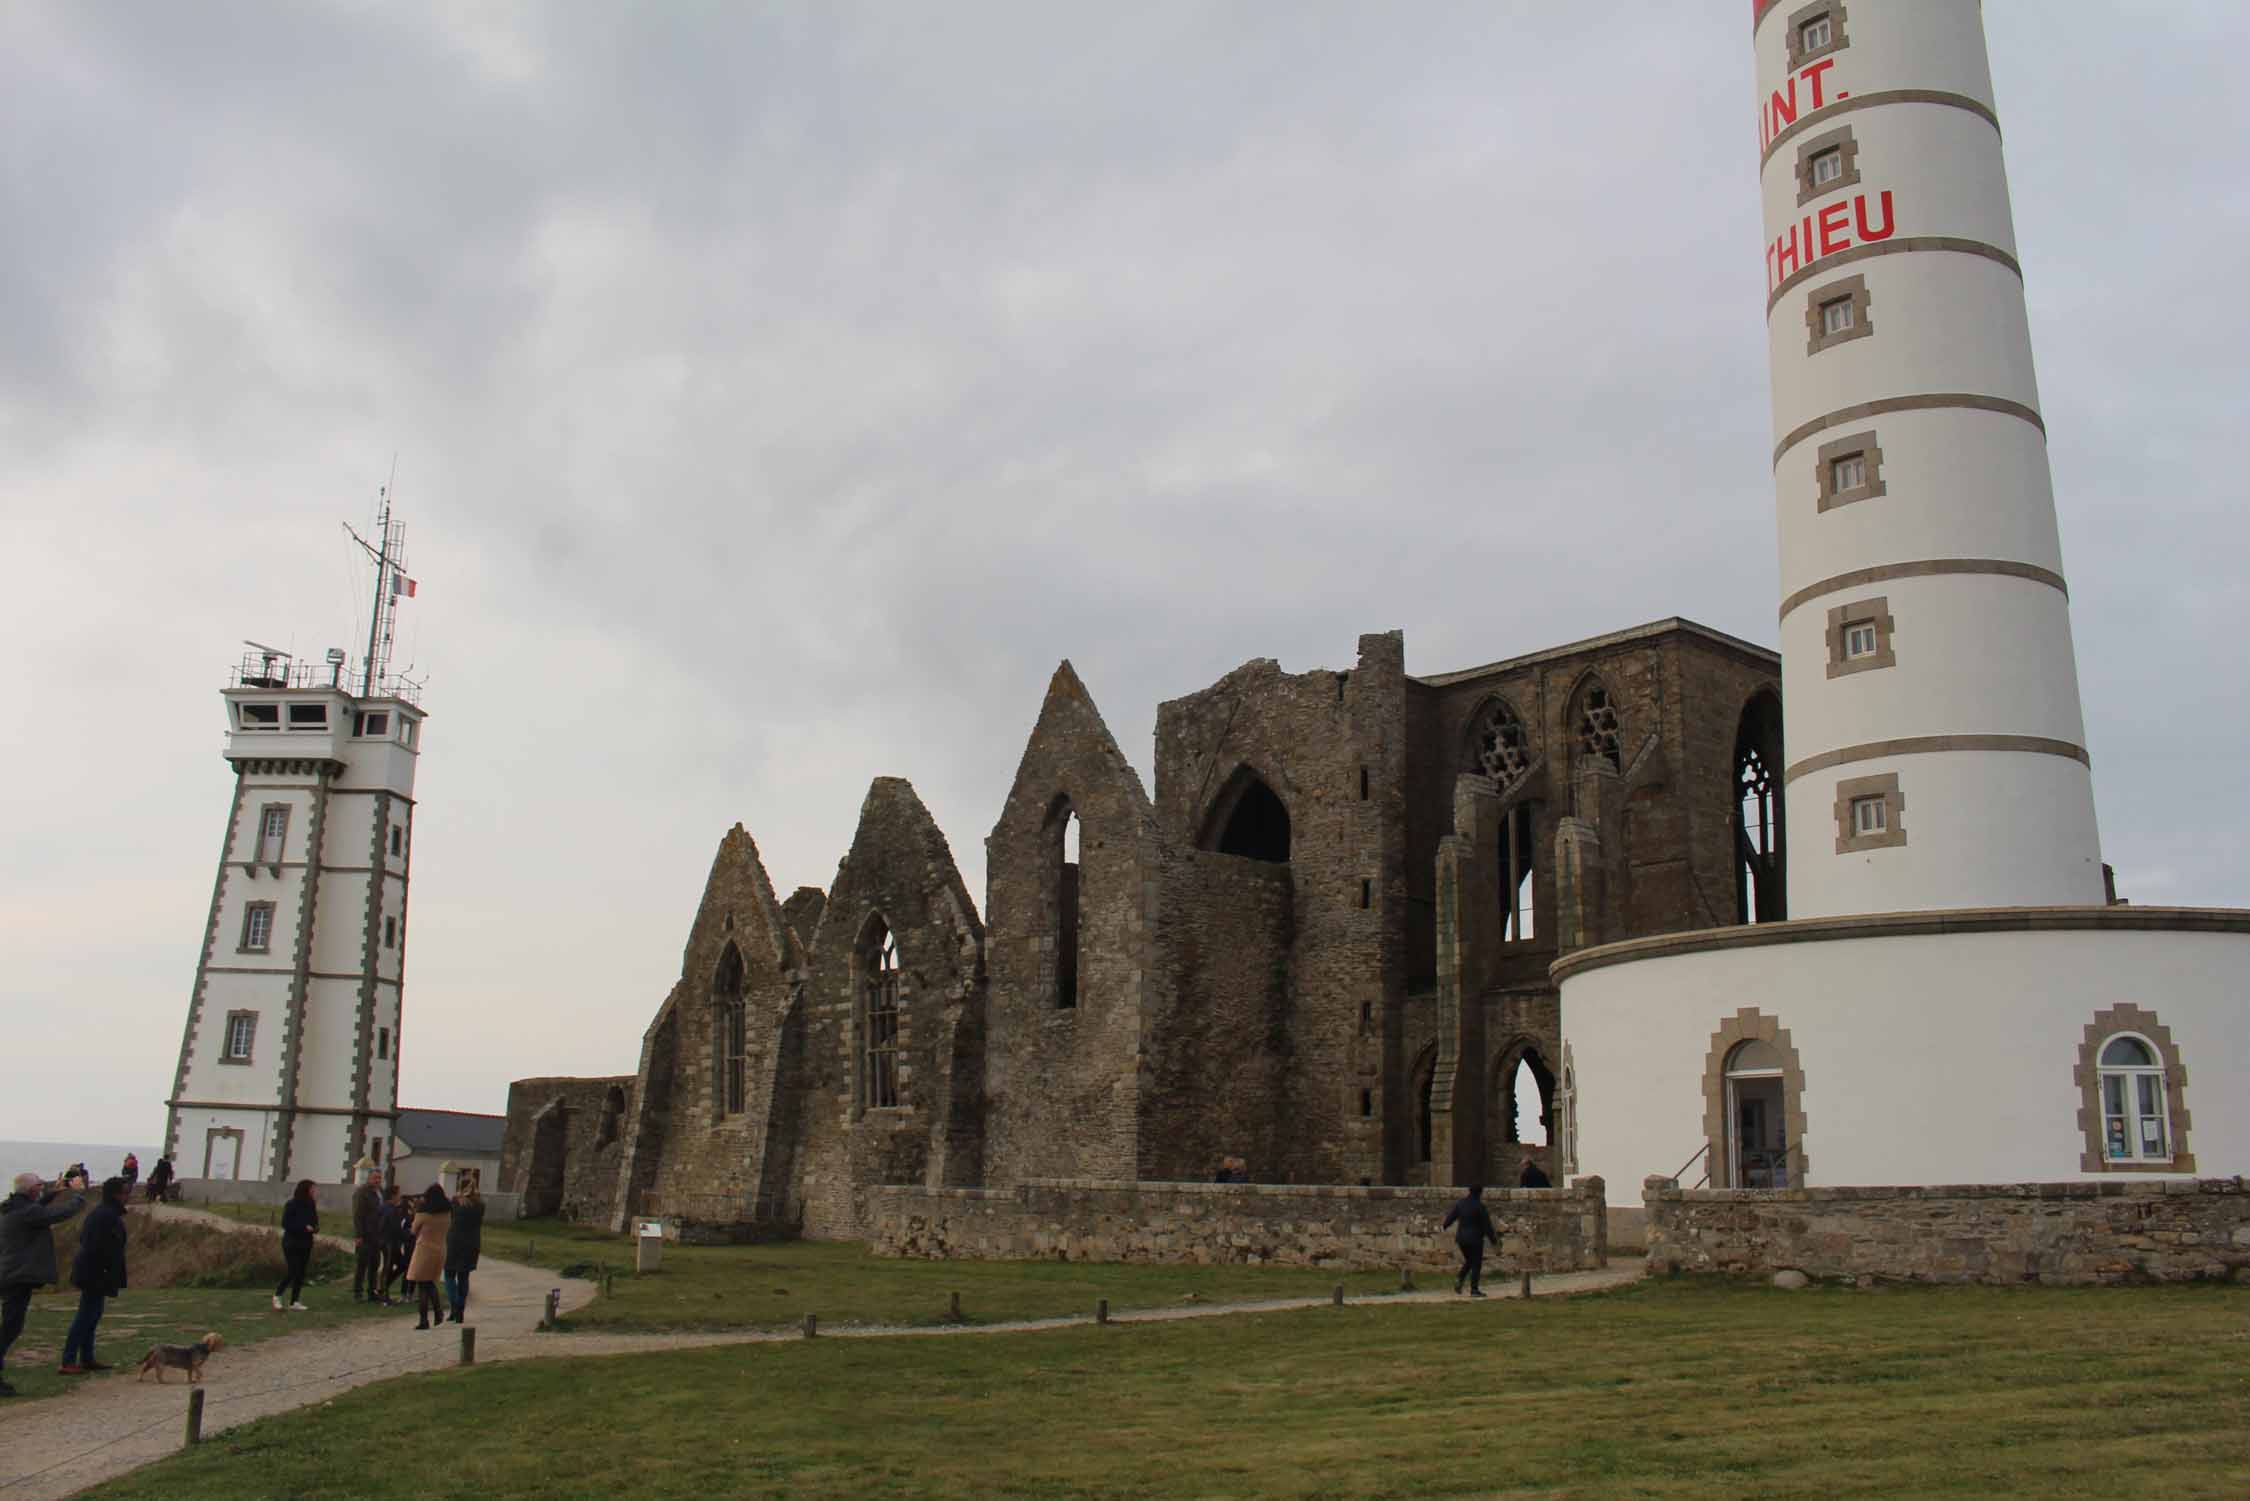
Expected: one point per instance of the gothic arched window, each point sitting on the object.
(1503, 748)
(1760, 890)
(1596, 720)
(730, 1028)
(879, 986)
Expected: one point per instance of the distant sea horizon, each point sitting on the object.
(102, 1159)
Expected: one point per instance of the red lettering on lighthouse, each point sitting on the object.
(1866, 231)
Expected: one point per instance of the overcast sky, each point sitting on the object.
(779, 392)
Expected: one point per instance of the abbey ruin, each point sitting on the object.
(1321, 947)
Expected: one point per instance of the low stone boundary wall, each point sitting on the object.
(1254, 1224)
(2131, 1230)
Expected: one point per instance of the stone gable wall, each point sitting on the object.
(1062, 1084)
(563, 1143)
(1541, 1230)
(2056, 1233)
(900, 868)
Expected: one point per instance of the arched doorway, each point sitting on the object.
(1757, 1117)
(1521, 1125)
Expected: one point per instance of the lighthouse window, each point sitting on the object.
(1817, 30)
(1837, 312)
(259, 716)
(242, 1031)
(308, 716)
(1859, 637)
(1849, 468)
(390, 932)
(1827, 167)
(273, 831)
(1870, 814)
(2131, 1107)
(376, 725)
(257, 927)
(1827, 163)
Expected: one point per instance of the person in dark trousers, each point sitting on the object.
(28, 1217)
(1471, 1224)
(160, 1180)
(98, 1272)
(1533, 1177)
(464, 1240)
(433, 1217)
(397, 1230)
(300, 1222)
(131, 1173)
(367, 1239)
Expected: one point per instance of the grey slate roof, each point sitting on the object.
(451, 1132)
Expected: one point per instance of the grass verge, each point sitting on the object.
(186, 1280)
(774, 1286)
(1667, 1390)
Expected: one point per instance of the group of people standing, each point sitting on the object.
(28, 1217)
(420, 1242)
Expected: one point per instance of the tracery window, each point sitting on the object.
(1597, 724)
(729, 1033)
(1503, 748)
(736, 1023)
(881, 991)
(1759, 888)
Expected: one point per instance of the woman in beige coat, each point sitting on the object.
(432, 1218)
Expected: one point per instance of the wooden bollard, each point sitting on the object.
(953, 1309)
(1101, 1311)
(1527, 1284)
(1339, 1296)
(812, 1325)
(554, 1308)
(195, 1416)
(1406, 1279)
(468, 1344)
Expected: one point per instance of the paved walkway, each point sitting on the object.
(111, 1424)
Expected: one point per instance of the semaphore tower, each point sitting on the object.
(289, 1064)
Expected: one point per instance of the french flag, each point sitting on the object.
(402, 586)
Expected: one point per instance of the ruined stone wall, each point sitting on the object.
(1543, 1230)
(1332, 747)
(563, 1143)
(2067, 1233)
(690, 1153)
(1215, 1073)
(898, 878)
(1062, 1082)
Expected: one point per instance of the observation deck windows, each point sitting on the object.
(308, 716)
(258, 716)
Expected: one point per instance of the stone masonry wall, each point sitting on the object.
(2056, 1233)
(564, 1140)
(1332, 747)
(1541, 1230)
(1062, 1081)
(898, 878)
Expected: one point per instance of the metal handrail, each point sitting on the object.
(1702, 1154)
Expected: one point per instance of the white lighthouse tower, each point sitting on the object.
(1936, 755)
(1954, 998)
(289, 1065)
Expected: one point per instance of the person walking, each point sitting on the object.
(98, 1272)
(1471, 1224)
(367, 1239)
(159, 1180)
(300, 1223)
(464, 1239)
(131, 1173)
(1533, 1175)
(28, 1217)
(431, 1222)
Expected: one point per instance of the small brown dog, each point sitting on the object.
(188, 1358)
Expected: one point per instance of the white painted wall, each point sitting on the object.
(1937, 1059)
(1937, 43)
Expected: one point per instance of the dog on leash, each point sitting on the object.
(188, 1358)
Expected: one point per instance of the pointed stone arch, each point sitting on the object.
(1247, 818)
(1594, 720)
(1502, 745)
(1760, 850)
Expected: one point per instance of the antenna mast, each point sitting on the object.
(390, 561)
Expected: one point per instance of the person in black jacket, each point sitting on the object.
(300, 1222)
(159, 1180)
(396, 1228)
(28, 1217)
(367, 1239)
(1533, 1175)
(98, 1272)
(1471, 1224)
(464, 1242)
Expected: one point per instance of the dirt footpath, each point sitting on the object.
(111, 1424)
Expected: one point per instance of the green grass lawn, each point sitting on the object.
(1676, 1389)
(772, 1286)
(166, 1316)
